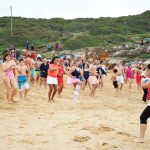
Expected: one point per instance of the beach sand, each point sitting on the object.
(101, 123)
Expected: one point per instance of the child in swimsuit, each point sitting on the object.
(115, 83)
(22, 79)
(33, 74)
(138, 80)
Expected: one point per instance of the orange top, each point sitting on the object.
(53, 73)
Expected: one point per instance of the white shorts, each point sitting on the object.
(52, 80)
(24, 87)
(120, 79)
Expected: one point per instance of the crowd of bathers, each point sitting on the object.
(20, 74)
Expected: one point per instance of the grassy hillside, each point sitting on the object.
(76, 33)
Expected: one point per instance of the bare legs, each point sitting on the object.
(85, 82)
(33, 80)
(143, 124)
(121, 86)
(37, 77)
(116, 91)
(93, 90)
(43, 80)
(130, 84)
(142, 131)
(11, 89)
(60, 88)
(52, 92)
(77, 87)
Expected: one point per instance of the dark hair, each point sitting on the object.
(115, 70)
(20, 59)
(28, 55)
(5, 55)
(52, 61)
(47, 62)
(148, 66)
(39, 58)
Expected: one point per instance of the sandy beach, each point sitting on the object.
(101, 123)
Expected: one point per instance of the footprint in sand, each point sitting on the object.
(44, 142)
(81, 138)
(125, 136)
(103, 146)
(102, 129)
(107, 146)
(27, 142)
(98, 130)
(39, 134)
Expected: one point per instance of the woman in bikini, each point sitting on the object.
(74, 74)
(9, 78)
(93, 78)
(129, 73)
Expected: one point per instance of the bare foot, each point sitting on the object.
(59, 96)
(139, 140)
(10, 102)
(49, 99)
(53, 101)
(25, 98)
(91, 94)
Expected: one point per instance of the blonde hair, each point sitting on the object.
(91, 68)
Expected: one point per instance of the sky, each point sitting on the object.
(70, 9)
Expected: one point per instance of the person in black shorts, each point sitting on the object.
(115, 83)
(86, 75)
(43, 72)
(146, 113)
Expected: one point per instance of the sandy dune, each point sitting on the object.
(103, 123)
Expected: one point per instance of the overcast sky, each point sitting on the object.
(70, 9)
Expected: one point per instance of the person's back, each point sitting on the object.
(115, 82)
(28, 62)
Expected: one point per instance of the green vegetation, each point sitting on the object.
(144, 56)
(76, 33)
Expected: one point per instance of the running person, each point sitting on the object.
(33, 73)
(74, 74)
(43, 72)
(37, 68)
(146, 113)
(52, 79)
(129, 73)
(9, 78)
(29, 63)
(86, 75)
(115, 83)
(93, 78)
(61, 71)
(22, 79)
(120, 75)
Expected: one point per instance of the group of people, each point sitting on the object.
(141, 73)
(80, 73)
(29, 71)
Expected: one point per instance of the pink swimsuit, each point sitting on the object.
(9, 74)
(129, 73)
